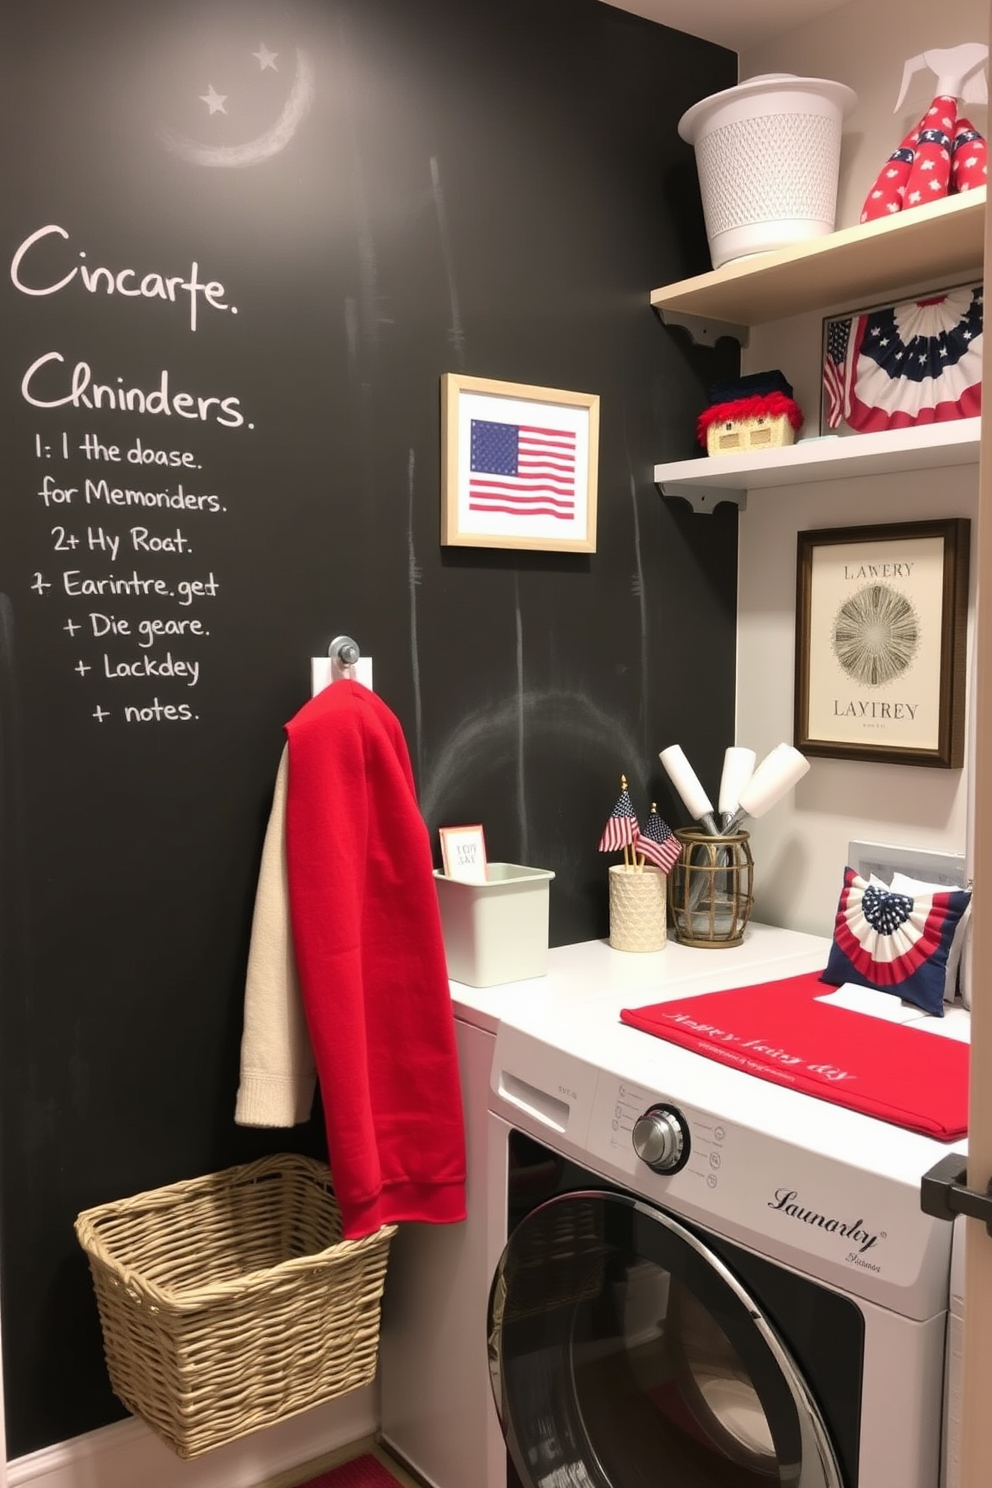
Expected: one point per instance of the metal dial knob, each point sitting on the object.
(661, 1139)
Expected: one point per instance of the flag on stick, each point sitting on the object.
(656, 842)
(622, 827)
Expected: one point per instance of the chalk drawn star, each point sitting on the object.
(267, 113)
(215, 101)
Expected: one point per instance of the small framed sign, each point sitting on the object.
(518, 466)
(881, 622)
(463, 853)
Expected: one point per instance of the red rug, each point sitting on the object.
(360, 1472)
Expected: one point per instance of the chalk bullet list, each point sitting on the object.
(126, 567)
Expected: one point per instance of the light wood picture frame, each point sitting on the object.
(881, 637)
(519, 465)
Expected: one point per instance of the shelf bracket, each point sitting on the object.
(703, 330)
(703, 499)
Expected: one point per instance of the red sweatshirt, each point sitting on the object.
(370, 957)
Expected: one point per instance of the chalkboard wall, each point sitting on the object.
(245, 241)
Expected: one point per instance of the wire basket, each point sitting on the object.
(230, 1302)
(712, 889)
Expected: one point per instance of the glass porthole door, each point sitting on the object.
(624, 1354)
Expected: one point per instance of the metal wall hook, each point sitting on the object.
(343, 651)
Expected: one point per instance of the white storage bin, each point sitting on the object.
(768, 158)
(496, 931)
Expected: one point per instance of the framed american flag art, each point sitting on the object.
(519, 465)
(881, 626)
(894, 366)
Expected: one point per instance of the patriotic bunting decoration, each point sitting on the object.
(656, 842)
(896, 943)
(942, 155)
(916, 362)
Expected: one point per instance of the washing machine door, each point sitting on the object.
(624, 1354)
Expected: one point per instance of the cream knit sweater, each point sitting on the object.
(277, 1066)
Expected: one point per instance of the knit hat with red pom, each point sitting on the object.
(756, 395)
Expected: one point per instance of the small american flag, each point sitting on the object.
(657, 842)
(836, 369)
(622, 828)
(522, 470)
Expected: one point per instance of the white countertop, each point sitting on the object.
(592, 970)
(575, 1009)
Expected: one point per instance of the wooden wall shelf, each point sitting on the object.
(713, 478)
(857, 265)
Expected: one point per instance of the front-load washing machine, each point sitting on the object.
(709, 1281)
(437, 1411)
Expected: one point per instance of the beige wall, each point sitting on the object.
(865, 44)
(800, 848)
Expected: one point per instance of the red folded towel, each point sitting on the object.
(781, 1032)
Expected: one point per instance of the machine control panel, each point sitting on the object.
(661, 1139)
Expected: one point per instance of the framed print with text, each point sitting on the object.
(881, 629)
(463, 853)
(519, 466)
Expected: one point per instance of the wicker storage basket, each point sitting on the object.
(230, 1302)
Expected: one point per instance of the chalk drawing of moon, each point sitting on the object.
(264, 146)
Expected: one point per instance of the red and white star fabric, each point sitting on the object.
(969, 158)
(930, 174)
(942, 155)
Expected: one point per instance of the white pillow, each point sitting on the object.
(903, 884)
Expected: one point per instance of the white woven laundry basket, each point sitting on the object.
(768, 159)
